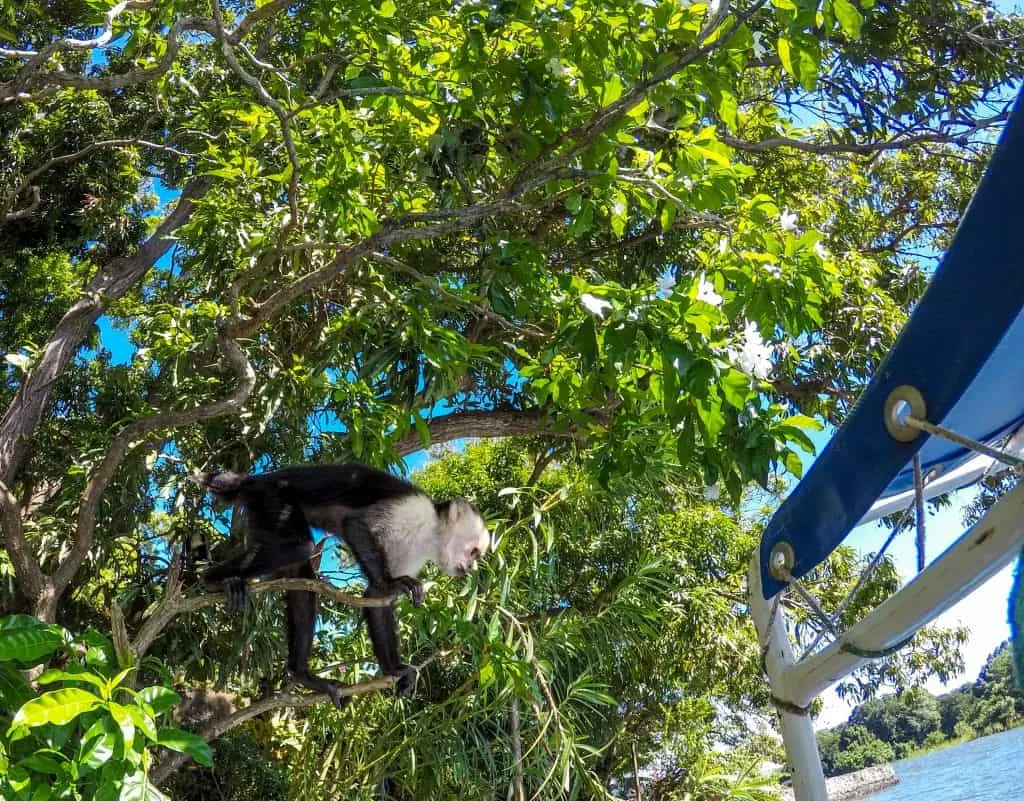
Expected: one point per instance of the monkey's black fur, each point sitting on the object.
(390, 526)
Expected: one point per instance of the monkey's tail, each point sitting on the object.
(225, 486)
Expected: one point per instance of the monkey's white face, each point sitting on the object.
(465, 539)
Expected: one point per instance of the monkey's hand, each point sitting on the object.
(411, 587)
(237, 591)
(406, 675)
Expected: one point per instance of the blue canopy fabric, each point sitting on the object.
(962, 348)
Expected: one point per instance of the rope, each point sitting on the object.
(972, 444)
(919, 511)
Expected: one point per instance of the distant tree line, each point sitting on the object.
(897, 726)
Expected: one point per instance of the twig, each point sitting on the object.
(869, 148)
(268, 100)
(137, 433)
(216, 728)
(26, 182)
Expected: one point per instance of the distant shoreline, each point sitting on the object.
(856, 785)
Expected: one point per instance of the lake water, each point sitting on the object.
(987, 769)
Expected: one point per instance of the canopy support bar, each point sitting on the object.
(979, 447)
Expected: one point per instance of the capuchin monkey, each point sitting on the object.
(390, 525)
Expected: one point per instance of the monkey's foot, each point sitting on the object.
(317, 684)
(237, 591)
(406, 675)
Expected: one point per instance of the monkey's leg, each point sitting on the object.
(263, 560)
(300, 610)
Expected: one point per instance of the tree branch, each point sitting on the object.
(56, 160)
(110, 283)
(31, 581)
(484, 424)
(29, 75)
(869, 148)
(136, 433)
(216, 728)
(174, 604)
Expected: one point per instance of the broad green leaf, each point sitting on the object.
(57, 707)
(786, 57)
(159, 699)
(14, 690)
(125, 723)
(27, 640)
(99, 743)
(849, 17)
(137, 787)
(50, 676)
(186, 743)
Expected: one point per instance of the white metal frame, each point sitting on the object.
(981, 552)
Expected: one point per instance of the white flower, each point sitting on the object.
(759, 49)
(557, 68)
(821, 250)
(706, 292)
(788, 220)
(594, 305)
(712, 492)
(753, 357)
(666, 283)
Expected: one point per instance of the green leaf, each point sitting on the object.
(735, 387)
(98, 743)
(125, 723)
(50, 676)
(387, 9)
(14, 690)
(57, 707)
(159, 699)
(849, 17)
(186, 743)
(27, 640)
(45, 762)
(138, 787)
(786, 57)
(421, 429)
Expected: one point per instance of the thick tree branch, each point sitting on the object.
(111, 282)
(137, 433)
(31, 581)
(484, 424)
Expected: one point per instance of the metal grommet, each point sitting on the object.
(902, 401)
(781, 561)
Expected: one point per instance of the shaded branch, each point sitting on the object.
(267, 100)
(31, 581)
(29, 76)
(27, 182)
(868, 148)
(485, 424)
(138, 433)
(432, 283)
(111, 282)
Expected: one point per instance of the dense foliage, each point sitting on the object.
(895, 726)
(659, 242)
